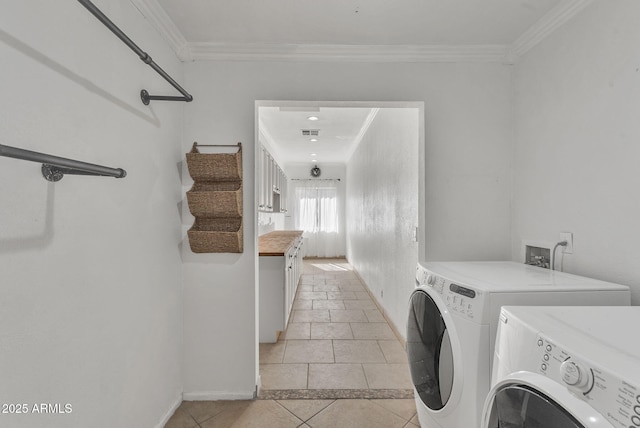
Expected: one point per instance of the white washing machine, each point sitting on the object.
(566, 367)
(453, 317)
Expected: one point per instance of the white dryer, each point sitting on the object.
(566, 367)
(453, 318)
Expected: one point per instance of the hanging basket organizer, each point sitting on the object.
(215, 200)
(216, 235)
(214, 166)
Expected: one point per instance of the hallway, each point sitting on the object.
(338, 364)
(337, 343)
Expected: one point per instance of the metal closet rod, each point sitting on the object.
(217, 145)
(54, 167)
(144, 95)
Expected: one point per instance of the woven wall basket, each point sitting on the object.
(214, 166)
(215, 199)
(216, 235)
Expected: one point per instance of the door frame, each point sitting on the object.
(420, 232)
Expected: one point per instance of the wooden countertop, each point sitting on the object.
(278, 242)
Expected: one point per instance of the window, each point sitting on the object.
(318, 209)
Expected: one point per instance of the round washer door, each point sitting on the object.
(531, 400)
(429, 351)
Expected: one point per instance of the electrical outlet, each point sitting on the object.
(567, 236)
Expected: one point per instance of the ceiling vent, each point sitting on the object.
(310, 132)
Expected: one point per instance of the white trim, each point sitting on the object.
(170, 412)
(185, 51)
(164, 25)
(363, 130)
(346, 53)
(269, 143)
(218, 395)
(550, 22)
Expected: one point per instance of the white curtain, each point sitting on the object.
(316, 213)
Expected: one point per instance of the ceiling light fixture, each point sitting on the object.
(313, 118)
(313, 139)
(314, 160)
(313, 154)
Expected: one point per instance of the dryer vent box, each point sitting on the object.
(537, 256)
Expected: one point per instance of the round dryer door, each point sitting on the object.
(522, 406)
(429, 351)
(529, 400)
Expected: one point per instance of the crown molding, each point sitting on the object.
(550, 22)
(159, 20)
(346, 53)
(363, 130)
(509, 54)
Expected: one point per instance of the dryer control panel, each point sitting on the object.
(459, 299)
(614, 397)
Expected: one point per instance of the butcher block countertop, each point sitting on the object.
(278, 242)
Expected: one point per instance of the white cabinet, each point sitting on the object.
(272, 184)
(262, 189)
(279, 278)
(292, 276)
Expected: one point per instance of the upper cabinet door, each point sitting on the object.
(271, 179)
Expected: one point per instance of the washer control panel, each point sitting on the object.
(614, 398)
(459, 299)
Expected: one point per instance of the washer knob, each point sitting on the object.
(573, 374)
(431, 279)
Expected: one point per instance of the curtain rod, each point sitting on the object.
(144, 95)
(54, 167)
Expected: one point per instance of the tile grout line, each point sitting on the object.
(383, 354)
(321, 410)
(294, 415)
(194, 419)
(391, 411)
(365, 376)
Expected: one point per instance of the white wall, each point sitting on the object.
(382, 209)
(576, 152)
(91, 312)
(468, 132)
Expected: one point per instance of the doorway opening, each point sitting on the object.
(350, 176)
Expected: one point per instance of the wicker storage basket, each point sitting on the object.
(214, 166)
(216, 235)
(215, 199)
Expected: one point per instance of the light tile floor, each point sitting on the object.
(345, 413)
(338, 355)
(337, 340)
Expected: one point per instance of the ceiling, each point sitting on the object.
(339, 132)
(349, 30)
(356, 22)
(356, 30)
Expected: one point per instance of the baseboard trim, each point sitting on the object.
(384, 313)
(170, 412)
(218, 395)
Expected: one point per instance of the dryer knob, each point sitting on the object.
(575, 375)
